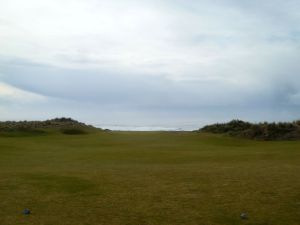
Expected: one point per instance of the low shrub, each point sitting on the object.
(21, 132)
(260, 131)
(73, 131)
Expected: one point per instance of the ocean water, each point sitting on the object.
(144, 128)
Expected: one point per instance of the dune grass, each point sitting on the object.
(147, 178)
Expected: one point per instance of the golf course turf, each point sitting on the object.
(148, 178)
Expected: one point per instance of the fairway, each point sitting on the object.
(148, 178)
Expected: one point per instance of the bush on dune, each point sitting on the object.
(260, 131)
(30, 128)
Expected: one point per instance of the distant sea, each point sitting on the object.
(143, 128)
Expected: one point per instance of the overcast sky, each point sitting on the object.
(159, 63)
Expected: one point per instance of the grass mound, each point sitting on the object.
(32, 128)
(57, 123)
(260, 131)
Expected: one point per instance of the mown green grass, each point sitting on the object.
(147, 178)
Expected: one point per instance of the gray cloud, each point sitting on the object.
(159, 62)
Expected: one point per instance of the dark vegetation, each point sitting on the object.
(259, 131)
(33, 128)
(73, 131)
(21, 131)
